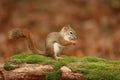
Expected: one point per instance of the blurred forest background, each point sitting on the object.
(97, 23)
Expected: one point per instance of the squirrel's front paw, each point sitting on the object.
(73, 42)
(58, 58)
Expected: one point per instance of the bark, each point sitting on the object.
(37, 72)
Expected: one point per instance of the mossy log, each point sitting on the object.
(37, 72)
(38, 67)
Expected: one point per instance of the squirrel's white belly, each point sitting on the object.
(66, 37)
(57, 48)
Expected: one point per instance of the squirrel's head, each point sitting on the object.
(68, 33)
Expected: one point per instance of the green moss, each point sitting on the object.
(65, 61)
(58, 64)
(32, 59)
(93, 68)
(8, 67)
(97, 68)
(92, 59)
(55, 75)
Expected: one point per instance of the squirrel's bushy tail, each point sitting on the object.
(19, 33)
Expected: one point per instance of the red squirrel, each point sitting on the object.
(54, 43)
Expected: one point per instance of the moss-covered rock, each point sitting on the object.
(97, 68)
(93, 68)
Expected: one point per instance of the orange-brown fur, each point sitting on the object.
(54, 37)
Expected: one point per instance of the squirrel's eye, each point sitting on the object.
(71, 32)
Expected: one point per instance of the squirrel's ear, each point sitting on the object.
(66, 27)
